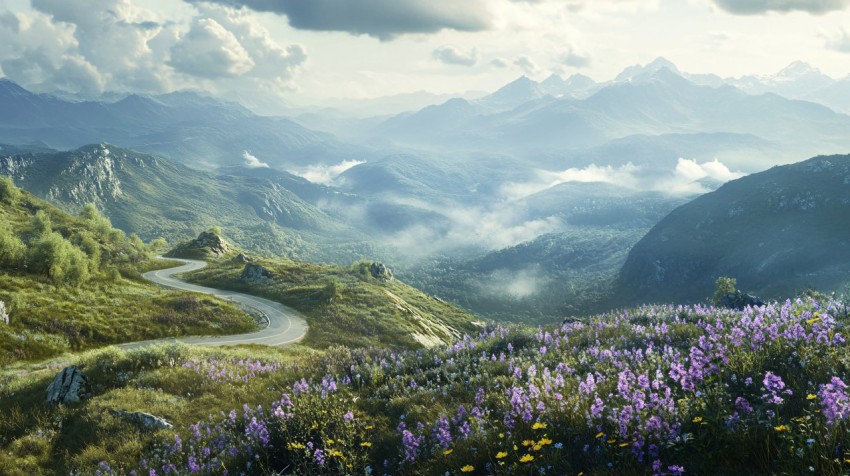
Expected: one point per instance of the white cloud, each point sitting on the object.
(684, 179)
(326, 174)
(527, 65)
(455, 56)
(210, 51)
(252, 162)
(839, 42)
(517, 284)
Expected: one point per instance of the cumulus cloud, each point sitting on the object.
(499, 63)
(252, 162)
(687, 178)
(383, 19)
(526, 64)
(326, 174)
(120, 45)
(454, 56)
(575, 59)
(755, 7)
(271, 61)
(210, 51)
(840, 42)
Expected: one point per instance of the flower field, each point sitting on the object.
(654, 390)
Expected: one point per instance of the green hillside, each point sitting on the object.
(348, 306)
(70, 283)
(776, 232)
(155, 197)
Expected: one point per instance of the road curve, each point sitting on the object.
(285, 325)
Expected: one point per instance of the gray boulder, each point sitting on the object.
(381, 271)
(4, 316)
(256, 274)
(242, 259)
(69, 386)
(144, 420)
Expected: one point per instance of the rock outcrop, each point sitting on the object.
(256, 274)
(739, 300)
(242, 259)
(144, 420)
(381, 271)
(69, 386)
(4, 316)
(215, 244)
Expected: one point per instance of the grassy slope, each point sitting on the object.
(346, 306)
(49, 318)
(184, 385)
(154, 197)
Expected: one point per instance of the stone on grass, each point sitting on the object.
(69, 386)
(144, 420)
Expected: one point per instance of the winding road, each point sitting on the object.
(285, 325)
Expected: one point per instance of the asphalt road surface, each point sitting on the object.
(285, 325)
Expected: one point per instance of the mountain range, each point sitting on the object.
(190, 128)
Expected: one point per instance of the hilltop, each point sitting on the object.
(776, 232)
(360, 306)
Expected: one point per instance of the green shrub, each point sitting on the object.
(56, 257)
(9, 193)
(12, 249)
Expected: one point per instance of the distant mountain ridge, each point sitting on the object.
(654, 99)
(196, 130)
(776, 232)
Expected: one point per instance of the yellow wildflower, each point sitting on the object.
(623, 445)
(813, 320)
(526, 459)
(296, 446)
(501, 454)
(515, 447)
(600, 434)
(501, 435)
(612, 440)
(370, 427)
(537, 447)
(337, 453)
(448, 451)
(528, 443)
(467, 469)
(544, 442)
(811, 396)
(330, 441)
(366, 444)
(538, 426)
(697, 419)
(781, 428)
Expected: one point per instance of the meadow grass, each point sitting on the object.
(652, 390)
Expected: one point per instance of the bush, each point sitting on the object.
(56, 257)
(723, 286)
(9, 193)
(12, 249)
(41, 225)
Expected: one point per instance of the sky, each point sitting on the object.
(303, 51)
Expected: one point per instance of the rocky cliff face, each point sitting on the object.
(776, 232)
